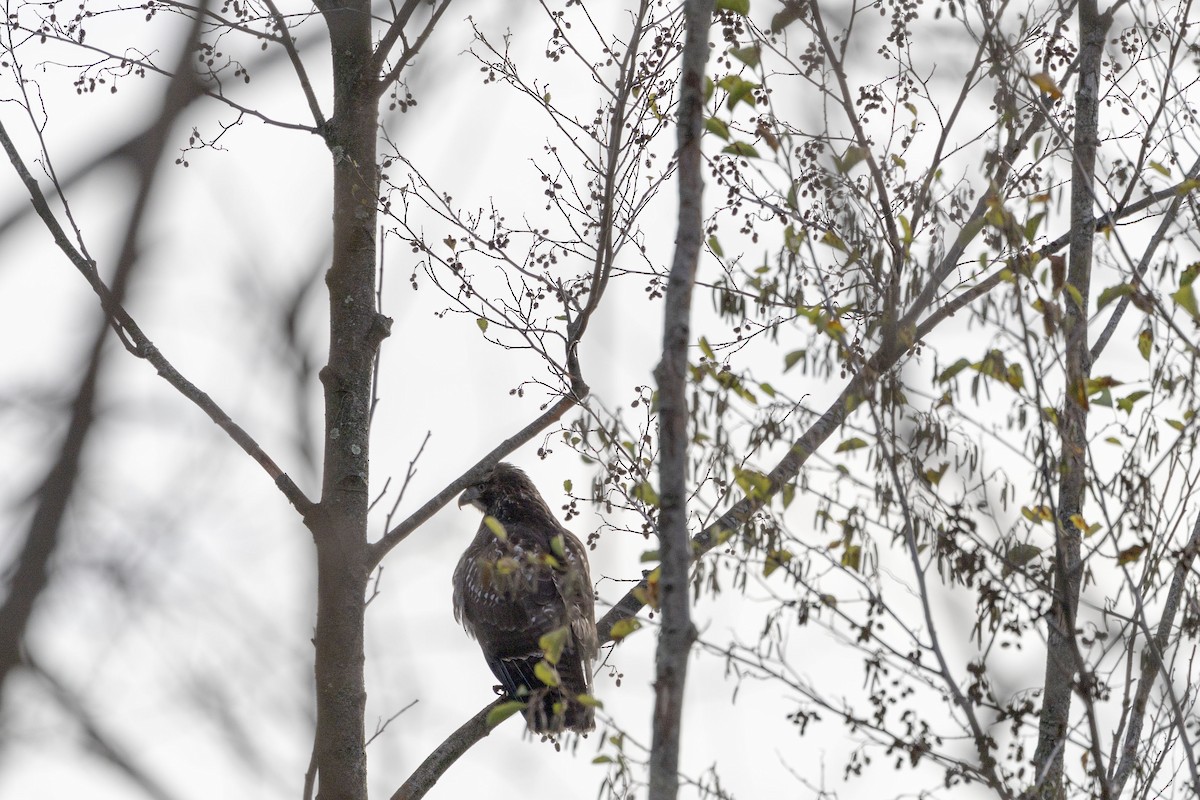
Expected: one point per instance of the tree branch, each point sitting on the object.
(1061, 663)
(677, 633)
(449, 751)
(137, 343)
(1152, 664)
(418, 518)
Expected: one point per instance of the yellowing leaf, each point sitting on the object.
(588, 700)
(1145, 342)
(552, 644)
(1186, 299)
(556, 546)
(1044, 82)
(1160, 169)
(546, 673)
(833, 240)
(741, 7)
(503, 712)
(1131, 554)
(852, 557)
(850, 444)
(494, 525)
(623, 627)
(482, 323)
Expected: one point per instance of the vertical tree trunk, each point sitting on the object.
(339, 525)
(677, 634)
(1062, 651)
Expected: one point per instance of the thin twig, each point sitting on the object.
(137, 343)
(381, 727)
(415, 520)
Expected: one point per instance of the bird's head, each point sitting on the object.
(504, 485)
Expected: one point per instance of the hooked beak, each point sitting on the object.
(470, 497)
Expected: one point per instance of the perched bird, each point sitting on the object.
(523, 591)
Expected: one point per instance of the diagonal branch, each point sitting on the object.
(289, 45)
(410, 51)
(418, 518)
(1152, 664)
(789, 467)
(131, 335)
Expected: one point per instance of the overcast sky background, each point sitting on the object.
(182, 606)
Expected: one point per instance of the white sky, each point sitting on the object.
(184, 566)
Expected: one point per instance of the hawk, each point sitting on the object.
(522, 590)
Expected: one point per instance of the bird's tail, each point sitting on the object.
(548, 709)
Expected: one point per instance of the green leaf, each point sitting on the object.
(482, 323)
(1160, 169)
(546, 673)
(791, 358)
(602, 760)
(553, 643)
(1032, 225)
(623, 627)
(1018, 556)
(588, 700)
(1126, 403)
(970, 231)
(1021, 554)
(503, 712)
(715, 246)
(567, 485)
(849, 159)
(717, 127)
(736, 6)
(750, 56)
(850, 444)
(706, 348)
(952, 370)
(1186, 299)
(752, 482)
(557, 546)
(645, 493)
(775, 560)
(934, 476)
(852, 557)
(496, 527)
(650, 555)
(790, 13)
(1112, 293)
(737, 89)
(743, 149)
(833, 240)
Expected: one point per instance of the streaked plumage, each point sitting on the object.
(517, 582)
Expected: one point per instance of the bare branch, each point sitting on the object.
(137, 343)
(677, 633)
(415, 520)
(449, 751)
